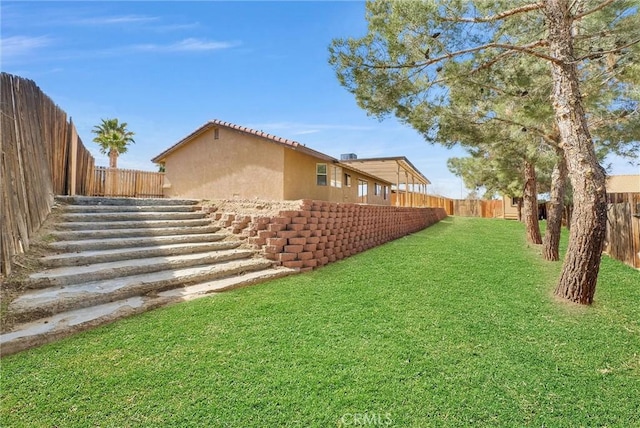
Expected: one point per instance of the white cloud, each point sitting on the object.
(116, 20)
(176, 27)
(22, 45)
(186, 45)
(306, 132)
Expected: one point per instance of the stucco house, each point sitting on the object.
(510, 207)
(221, 160)
(623, 184)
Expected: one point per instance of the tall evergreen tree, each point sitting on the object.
(415, 52)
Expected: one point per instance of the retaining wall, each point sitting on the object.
(322, 232)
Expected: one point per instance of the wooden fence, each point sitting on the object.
(458, 207)
(127, 183)
(478, 208)
(440, 202)
(623, 227)
(41, 156)
(420, 200)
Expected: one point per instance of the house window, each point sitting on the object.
(347, 180)
(336, 176)
(216, 133)
(516, 201)
(321, 174)
(377, 189)
(386, 192)
(363, 190)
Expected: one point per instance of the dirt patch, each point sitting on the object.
(24, 265)
(251, 207)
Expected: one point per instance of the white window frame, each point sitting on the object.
(320, 181)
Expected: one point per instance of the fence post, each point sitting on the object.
(73, 158)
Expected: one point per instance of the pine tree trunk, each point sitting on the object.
(113, 158)
(568, 210)
(530, 204)
(582, 262)
(551, 241)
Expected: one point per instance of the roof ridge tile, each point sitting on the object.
(217, 122)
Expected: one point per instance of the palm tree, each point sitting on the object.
(113, 138)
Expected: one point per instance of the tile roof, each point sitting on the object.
(294, 145)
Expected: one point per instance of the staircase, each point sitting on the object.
(114, 257)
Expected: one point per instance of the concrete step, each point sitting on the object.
(103, 256)
(69, 275)
(130, 233)
(126, 208)
(45, 330)
(43, 303)
(145, 241)
(96, 200)
(130, 216)
(149, 224)
(202, 289)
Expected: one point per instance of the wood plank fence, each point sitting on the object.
(440, 202)
(127, 183)
(419, 200)
(42, 156)
(477, 208)
(623, 227)
(37, 145)
(458, 207)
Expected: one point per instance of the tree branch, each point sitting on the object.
(494, 60)
(547, 137)
(599, 54)
(500, 16)
(595, 9)
(605, 121)
(491, 62)
(526, 49)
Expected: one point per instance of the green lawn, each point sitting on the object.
(452, 326)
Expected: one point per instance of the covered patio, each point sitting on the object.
(409, 185)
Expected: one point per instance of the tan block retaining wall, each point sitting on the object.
(322, 232)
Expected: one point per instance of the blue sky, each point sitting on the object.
(166, 68)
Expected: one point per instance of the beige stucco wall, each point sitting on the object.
(241, 166)
(371, 197)
(509, 210)
(300, 182)
(300, 177)
(234, 166)
(623, 184)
